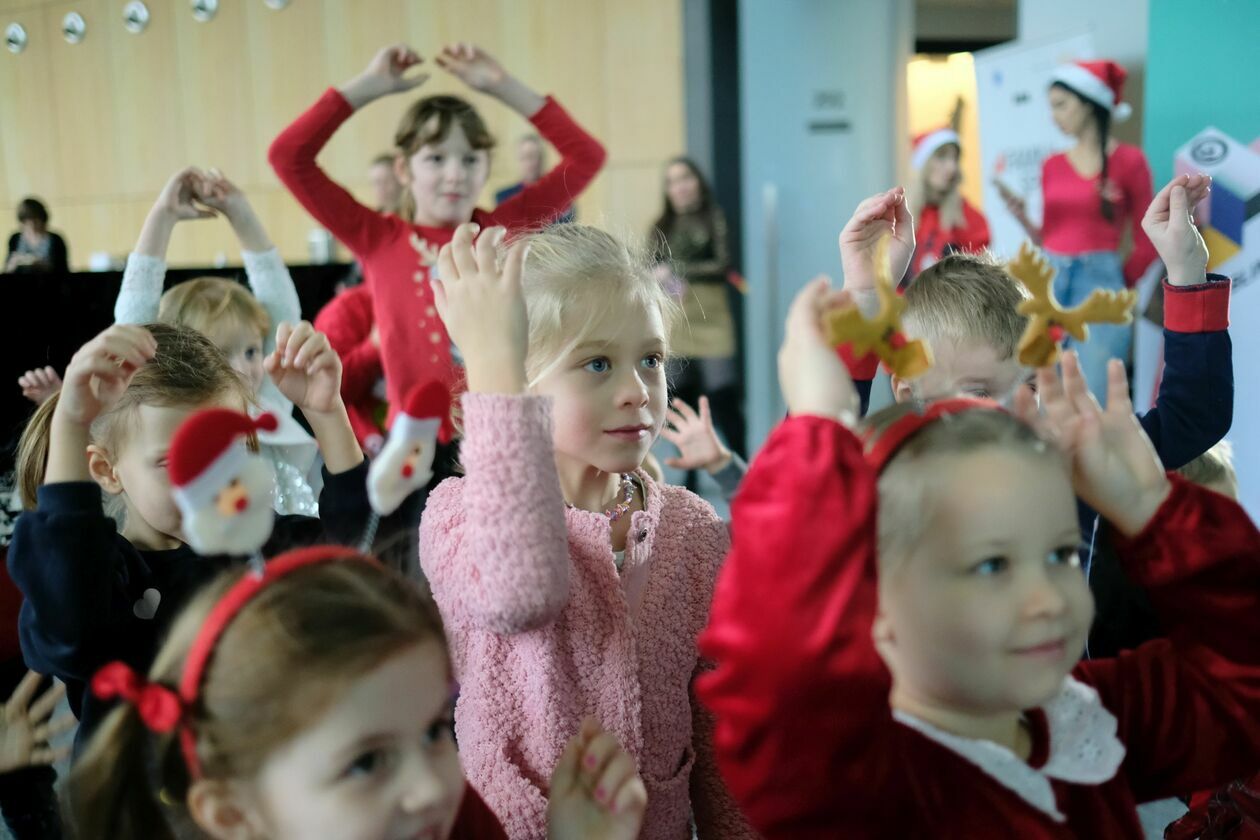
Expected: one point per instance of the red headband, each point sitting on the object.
(159, 706)
(906, 427)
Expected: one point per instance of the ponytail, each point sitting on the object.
(32, 451)
(1103, 117)
(128, 783)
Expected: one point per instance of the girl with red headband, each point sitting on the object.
(314, 700)
(897, 630)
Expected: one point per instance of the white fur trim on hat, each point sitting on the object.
(202, 489)
(406, 427)
(930, 143)
(1092, 88)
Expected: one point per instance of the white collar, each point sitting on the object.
(1084, 748)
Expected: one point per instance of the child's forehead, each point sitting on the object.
(616, 322)
(999, 495)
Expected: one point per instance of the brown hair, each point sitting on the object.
(187, 370)
(203, 302)
(429, 120)
(967, 297)
(906, 483)
(32, 210)
(1214, 467)
(282, 661)
(384, 159)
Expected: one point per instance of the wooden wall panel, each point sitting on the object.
(98, 127)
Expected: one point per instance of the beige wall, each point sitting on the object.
(96, 128)
(934, 84)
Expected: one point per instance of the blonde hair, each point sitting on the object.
(187, 370)
(573, 276)
(281, 663)
(1214, 467)
(967, 297)
(204, 302)
(908, 481)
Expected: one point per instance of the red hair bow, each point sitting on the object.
(159, 706)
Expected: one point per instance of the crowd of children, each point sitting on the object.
(994, 608)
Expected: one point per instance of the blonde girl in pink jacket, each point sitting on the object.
(571, 583)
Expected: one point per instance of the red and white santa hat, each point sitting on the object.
(928, 142)
(207, 452)
(1097, 81)
(426, 408)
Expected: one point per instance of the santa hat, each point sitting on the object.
(1101, 82)
(426, 409)
(208, 450)
(929, 141)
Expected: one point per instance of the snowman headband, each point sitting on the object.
(162, 708)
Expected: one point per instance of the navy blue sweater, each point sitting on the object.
(86, 587)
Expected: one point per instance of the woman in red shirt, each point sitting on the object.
(443, 160)
(947, 221)
(1092, 193)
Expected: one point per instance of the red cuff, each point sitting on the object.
(860, 369)
(1203, 307)
(339, 103)
(547, 113)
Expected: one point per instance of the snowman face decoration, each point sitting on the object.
(404, 465)
(238, 518)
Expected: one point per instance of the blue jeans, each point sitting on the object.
(1077, 276)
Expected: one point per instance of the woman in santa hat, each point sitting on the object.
(1092, 193)
(946, 222)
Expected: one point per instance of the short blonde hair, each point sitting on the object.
(574, 275)
(204, 302)
(1214, 468)
(967, 297)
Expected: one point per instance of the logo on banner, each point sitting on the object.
(1229, 217)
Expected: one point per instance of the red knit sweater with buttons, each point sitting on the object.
(398, 256)
(805, 735)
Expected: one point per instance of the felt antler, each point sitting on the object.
(883, 334)
(1048, 321)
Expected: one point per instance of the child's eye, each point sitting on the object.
(652, 361)
(434, 158)
(991, 566)
(470, 160)
(251, 353)
(600, 365)
(440, 732)
(369, 763)
(1068, 555)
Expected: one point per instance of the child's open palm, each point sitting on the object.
(695, 437)
(27, 731)
(1170, 227)
(1114, 467)
(596, 792)
(883, 214)
(471, 65)
(39, 384)
(101, 370)
(305, 368)
(483, 308)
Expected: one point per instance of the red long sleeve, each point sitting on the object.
(1139, 191)
(347, 321)
(1189, 705)
(799, 693)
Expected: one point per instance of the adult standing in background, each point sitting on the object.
(531, 159)
(945, 221)
(34, 248)
(690, 241)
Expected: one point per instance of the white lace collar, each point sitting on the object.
(1083, 749)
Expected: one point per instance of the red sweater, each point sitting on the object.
(347, 321)
(397, 256)
(805, 736)
(932, 240)
(1072, 220)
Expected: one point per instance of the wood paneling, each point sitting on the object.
(97, 128)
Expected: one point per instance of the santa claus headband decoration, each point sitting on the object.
(882, 334)
(1101, 82)
(161, 707)
(405, 462)
(1048, 322)
(926, 144)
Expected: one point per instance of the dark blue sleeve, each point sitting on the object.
(344, 509)
(864, 393)
(67, 559)
(1195, 404)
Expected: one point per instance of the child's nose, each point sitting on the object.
(424, 789)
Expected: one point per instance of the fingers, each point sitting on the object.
(59, 725)
(1025, 405)
(487, 247)
(439, 300)
(688, 413)
(1118, 399)
(45, 755)
(565, 775)
(1077, 389)
(672, 435)
(806, 307)
(20, 700)
(305, 345)
(631, 798)
(514, 265)
(598, 753)
(618, 772)
(283, 333)
(462, 251)
(42, 709)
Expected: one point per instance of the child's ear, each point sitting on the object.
(401, 170)
(901, 389)
(221, 810)
(101, 467)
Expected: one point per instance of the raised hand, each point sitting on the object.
(596, 792)
(184, 196)
(1114, 467)
(100, 372)
(1171, 229)
(386, 73)
(698, 445)
(26, 731)
(483, 308)
(472, 65)
(883, 214)
(813, 379)
(306, 369)
(39, 384)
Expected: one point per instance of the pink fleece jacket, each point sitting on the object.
(544, 631)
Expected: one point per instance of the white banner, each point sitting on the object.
(1016, 131)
